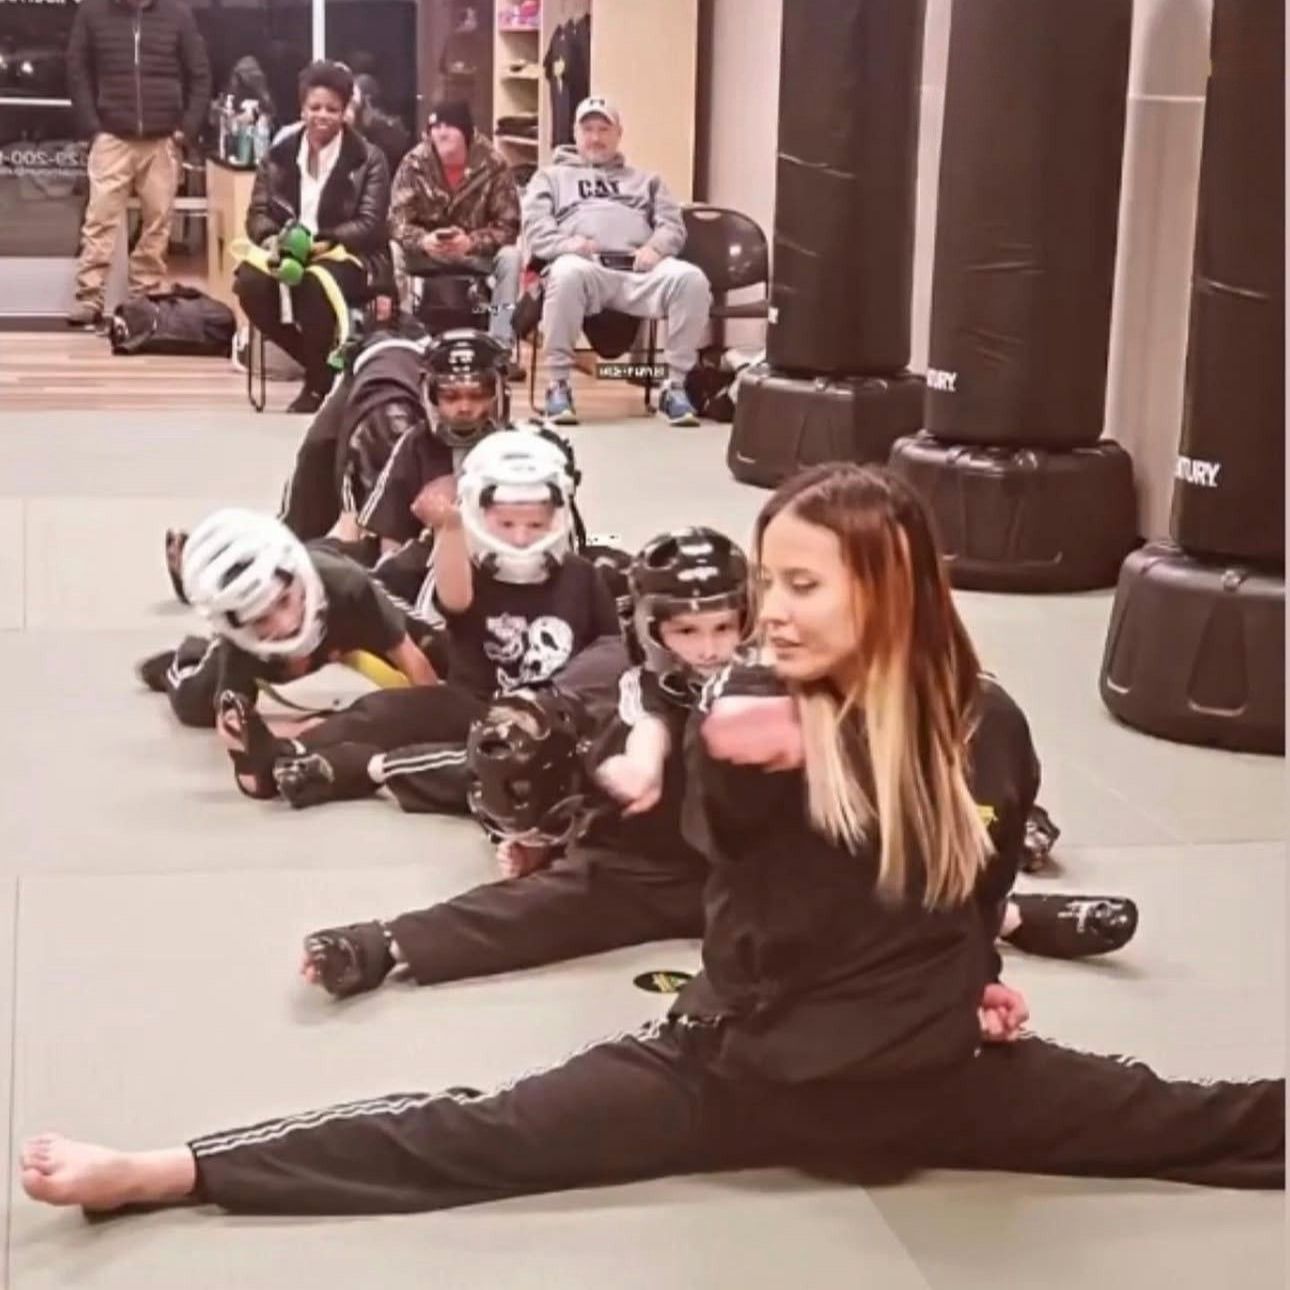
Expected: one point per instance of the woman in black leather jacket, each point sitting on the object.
(324, 175)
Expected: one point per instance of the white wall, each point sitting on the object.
(742, 129)
(1167, 73)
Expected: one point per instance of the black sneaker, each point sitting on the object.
(1073, 927)
(307, 401)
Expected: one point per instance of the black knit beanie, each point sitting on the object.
(453, 112)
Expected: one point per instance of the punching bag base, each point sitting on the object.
(1023, 519)
(1195, 651)
(783, 423)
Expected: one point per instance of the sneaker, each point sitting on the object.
(675, 405)
(559, 409)
(307, 401)
(516, 371)
(85, 313)
(1073, 927)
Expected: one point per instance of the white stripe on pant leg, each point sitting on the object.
(378, 488)
(394, 769)
(272, 1130)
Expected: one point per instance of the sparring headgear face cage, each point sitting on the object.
(690, 570)
(516, 466)
(235, 566)
(473, 359)
(526, 758)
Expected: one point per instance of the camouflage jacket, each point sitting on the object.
(486, 205)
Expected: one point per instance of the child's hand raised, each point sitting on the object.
(638, 787)
(436, 504)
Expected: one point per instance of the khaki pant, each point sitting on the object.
(118, 168)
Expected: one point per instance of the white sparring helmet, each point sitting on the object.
(233, 566)
(516, 466)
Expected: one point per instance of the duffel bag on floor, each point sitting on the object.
(182, 320)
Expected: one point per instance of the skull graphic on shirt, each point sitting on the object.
(528, 653)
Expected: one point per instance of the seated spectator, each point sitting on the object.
(368, 116)
(323, 175)
(610, 234)
(454, 203)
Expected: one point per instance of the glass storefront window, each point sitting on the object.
(42, 163)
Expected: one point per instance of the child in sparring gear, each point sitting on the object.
(464, 398)
(848, 1015)
(581, 875)
(689, 611)
(404, 415)
(279, 610)
(518, 606)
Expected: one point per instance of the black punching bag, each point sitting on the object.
(1026, 221)
(850, 78)
(1229, 494)
(1195, 650)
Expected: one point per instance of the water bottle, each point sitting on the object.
(262, 138)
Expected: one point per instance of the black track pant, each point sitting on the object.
(423, 733)
(390, 719)
(586, 905)
(648, 1105)
(312, 335)
(311, 501)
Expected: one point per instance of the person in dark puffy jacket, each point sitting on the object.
(324, 175)
(140, 85)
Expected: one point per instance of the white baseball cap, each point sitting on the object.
(596, 106)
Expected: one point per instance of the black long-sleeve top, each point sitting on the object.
(812, 975)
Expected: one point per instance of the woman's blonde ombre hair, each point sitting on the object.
(888, 757)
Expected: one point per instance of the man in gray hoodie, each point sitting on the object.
(610, 234)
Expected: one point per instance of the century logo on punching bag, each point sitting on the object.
(1191, 470)
(943, 381)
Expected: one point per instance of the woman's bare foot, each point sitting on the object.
(58, 1171)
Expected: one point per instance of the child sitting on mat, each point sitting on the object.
(518, 606)
(279, 610)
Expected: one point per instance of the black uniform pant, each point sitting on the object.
(310, 338)
(311, 500)
(423, 733)
(338, 462)
(649, 1104)
(584, 905)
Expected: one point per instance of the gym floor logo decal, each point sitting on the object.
(667, 981)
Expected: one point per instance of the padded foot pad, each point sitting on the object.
(783, 423)
(1196, 651)
(1025, 519)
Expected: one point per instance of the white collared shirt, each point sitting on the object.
(311, 188)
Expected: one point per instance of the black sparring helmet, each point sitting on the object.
(525, 756)
(614, 566)
(464, 356)
(683, 571)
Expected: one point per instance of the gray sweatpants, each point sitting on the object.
(672, 289)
